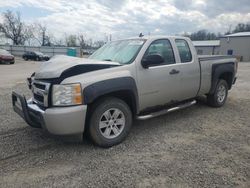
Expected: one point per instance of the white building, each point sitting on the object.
(237, 44)
(207, 47)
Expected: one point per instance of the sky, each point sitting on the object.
(127, 18)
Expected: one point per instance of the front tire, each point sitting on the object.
(219, 97)
(110, 122)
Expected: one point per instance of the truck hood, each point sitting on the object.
(66, 66)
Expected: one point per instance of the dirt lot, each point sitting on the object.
(196, 147)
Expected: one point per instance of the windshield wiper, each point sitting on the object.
(111, 61)
(107, 60)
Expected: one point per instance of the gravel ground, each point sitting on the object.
(195, 147)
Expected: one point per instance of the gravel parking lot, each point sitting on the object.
(195, 147)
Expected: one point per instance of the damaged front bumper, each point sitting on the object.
(56, 120)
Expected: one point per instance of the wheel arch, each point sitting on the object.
(223, 71)
(123, 88)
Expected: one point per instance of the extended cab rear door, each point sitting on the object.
(189, 68)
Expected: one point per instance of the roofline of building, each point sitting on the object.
(234, 36)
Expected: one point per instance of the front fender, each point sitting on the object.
(101, 88)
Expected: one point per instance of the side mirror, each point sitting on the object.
(152, 60)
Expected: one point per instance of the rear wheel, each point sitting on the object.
(110, 122)
(219, 97)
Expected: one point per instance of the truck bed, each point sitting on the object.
(214, 57)
(206, 62)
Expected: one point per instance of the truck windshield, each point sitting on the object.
(122, 51)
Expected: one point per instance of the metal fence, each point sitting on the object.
(48, 50)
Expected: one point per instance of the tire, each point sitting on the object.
(219, 97)
(107, 133)
(25, 58)
(12, 63)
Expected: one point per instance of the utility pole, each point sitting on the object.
(43, 39)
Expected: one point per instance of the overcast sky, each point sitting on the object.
(126, 18)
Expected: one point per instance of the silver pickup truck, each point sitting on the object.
(133, 78)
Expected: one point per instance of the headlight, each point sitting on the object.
(66, 95)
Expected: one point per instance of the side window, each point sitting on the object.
(199, 52)
(230, 52)
(163, 48)
(184, 50)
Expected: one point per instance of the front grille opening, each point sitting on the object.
(40, 92)
(39, 98)
(40, 86)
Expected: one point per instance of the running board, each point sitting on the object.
(165, 111)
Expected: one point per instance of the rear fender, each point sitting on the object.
(218, 70)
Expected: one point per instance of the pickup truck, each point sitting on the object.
(138, 78)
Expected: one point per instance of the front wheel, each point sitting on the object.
(110, 122)
(219, 97)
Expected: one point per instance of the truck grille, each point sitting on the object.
(40, 92)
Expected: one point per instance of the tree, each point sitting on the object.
(41, 34)
(202, 35)
(82, 41)
(13, 28)
(99, 43)
(71, 40)
(241, 27)
(58, 42)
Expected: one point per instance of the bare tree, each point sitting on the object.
(41, 34)
(82, 41)
(13, 28)
(71, 40)
(29, 34)
(99, 43)
(58, 42)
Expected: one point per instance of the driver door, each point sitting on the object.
(159, 84)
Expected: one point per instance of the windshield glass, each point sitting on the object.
(4, 52)
(39, 53)
(122, 51)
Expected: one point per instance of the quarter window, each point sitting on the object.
(163, 48)
(184, 50)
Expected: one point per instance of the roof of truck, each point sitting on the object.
(146, 37)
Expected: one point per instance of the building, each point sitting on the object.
(237, 44)
(207, 47)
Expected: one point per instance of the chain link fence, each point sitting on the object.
(48, 50)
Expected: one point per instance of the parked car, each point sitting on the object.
(135, 78)
(36, 56)
(6, 57)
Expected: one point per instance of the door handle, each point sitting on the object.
(174, 71)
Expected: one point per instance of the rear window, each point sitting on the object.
(184, 50)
